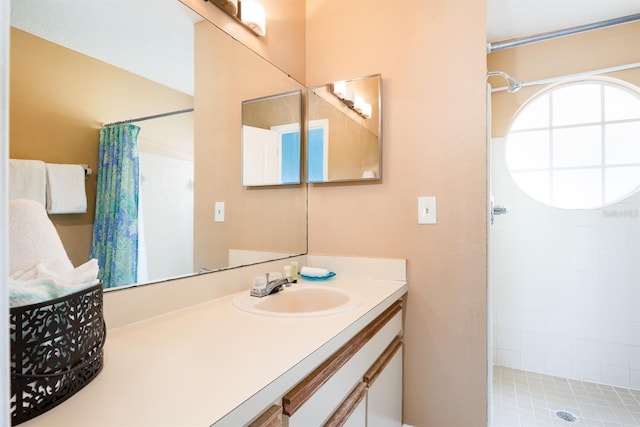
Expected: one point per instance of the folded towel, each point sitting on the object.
(40, 290)
(314, 272)
(27, 180)
(66, 189)
(34, 239)
(87, 272)
(20, 295)
(41, 283)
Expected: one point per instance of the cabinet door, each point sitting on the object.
(353, 411)
(358, 417)
(384, 380)
(315, 398)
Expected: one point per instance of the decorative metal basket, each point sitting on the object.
(56, 350)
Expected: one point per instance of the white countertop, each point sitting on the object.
(195, 366)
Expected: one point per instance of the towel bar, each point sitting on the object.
(87, 171)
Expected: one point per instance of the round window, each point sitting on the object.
(576, 145)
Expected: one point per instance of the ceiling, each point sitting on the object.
(509, 19)
(154, 38)
(150, 41)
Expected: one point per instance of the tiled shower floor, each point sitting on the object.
(529, 399)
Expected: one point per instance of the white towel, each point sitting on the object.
(44, 284)
(27, 180)
(39, 268)
(87, 273)
(40, 290)
(65, 189)
(34, 239)
(314, 272)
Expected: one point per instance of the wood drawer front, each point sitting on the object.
(353, 411)
(269, 418)
(316, 397)
(372, 374)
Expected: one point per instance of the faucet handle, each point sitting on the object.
(259, 286)
(274, 275)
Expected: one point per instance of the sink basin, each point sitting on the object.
(300, 301)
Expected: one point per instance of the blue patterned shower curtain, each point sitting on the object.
(115, 228)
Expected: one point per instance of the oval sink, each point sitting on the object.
(301, 300)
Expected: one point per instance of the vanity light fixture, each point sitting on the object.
(351, 100)
(252, 14)
(229, 6)
(362, 107)
(340, 89)
(249, 13)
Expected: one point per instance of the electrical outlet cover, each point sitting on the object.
(426, 210)
(219, 212)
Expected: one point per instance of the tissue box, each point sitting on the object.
(56, 350)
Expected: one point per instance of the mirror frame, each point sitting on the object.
(346, 107)
(301, 131)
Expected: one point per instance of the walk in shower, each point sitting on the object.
(564, 262)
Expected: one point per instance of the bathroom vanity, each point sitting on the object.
(215, 364)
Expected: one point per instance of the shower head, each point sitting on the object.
(514, 84)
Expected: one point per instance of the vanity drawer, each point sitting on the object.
(317, 397)
(353, 411)
(384, 388)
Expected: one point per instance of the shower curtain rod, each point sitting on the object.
(573, 76)
(155, 116)
(492, 47)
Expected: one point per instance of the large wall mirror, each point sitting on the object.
(344, 133)
(76, 65)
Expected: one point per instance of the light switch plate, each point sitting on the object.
(219, 212)
(426, 210)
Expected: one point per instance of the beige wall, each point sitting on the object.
(432, 57)
(578, 53)
(60, 98)
(260, 218)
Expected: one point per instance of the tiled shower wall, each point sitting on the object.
(565, 286)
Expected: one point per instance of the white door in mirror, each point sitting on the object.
(426, 210)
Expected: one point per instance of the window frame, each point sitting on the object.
(550, 129)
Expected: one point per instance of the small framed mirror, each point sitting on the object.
(344, 131)
(271, 140)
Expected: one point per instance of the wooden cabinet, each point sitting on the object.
(269, 418)
(335, 393)
(353, 411)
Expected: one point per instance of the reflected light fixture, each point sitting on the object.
(340, 89)
(350, 99)
(362, 107)
(253, 15)
(249, 13)
(229, 6)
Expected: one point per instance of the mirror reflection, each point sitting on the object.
(271, 140)
(344, 137)
(65, 85)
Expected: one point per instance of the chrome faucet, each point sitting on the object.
(272, 286)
